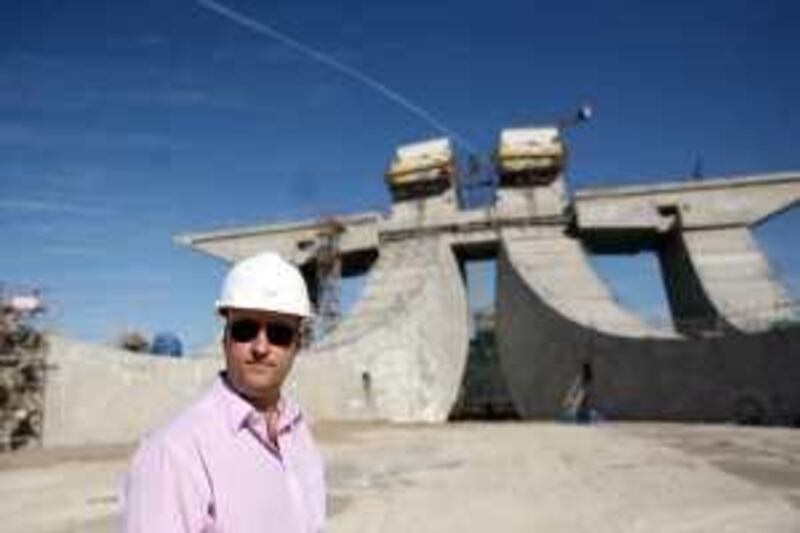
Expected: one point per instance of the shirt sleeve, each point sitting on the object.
(315, 479)
(166, 491)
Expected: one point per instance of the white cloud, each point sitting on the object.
(32, 205)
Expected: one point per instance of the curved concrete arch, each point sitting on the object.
(556, 268)
(545, 350)
(401, 353)
(736, 280)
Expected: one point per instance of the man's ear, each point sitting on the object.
(225, 314)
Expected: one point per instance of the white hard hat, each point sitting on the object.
(265, 282)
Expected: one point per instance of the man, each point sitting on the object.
(241, 459)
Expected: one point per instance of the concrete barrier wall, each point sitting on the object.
(732, 377)
(98, 394)
(709, 203)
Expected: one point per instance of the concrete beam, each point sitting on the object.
(364, 233)
(736, 201)
(295, 241)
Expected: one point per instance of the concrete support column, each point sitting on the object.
(400, 355)
(539, 201)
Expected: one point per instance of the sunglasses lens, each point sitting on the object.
(244, 330)
(280, 334)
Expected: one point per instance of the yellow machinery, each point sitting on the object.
(421, 169)
(529, 156)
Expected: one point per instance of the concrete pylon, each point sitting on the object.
(401, 353)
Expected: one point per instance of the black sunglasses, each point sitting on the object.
(247, 329)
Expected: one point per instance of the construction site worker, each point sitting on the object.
(240, 459)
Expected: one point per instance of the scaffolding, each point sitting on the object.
(22, 367)
(328, 261)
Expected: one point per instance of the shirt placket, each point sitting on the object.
(257, 425)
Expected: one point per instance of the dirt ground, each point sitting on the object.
(479, 477)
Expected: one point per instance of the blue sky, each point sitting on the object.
(125, 123)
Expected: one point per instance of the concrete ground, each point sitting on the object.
(479, 477)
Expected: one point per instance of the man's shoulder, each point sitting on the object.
(195, 423)
(172, 457)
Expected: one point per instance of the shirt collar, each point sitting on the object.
(238, 411)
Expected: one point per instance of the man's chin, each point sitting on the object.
(260, 388)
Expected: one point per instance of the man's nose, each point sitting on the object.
(260, 345)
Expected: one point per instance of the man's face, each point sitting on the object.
(257, 356)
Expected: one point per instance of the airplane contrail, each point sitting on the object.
(269, 31)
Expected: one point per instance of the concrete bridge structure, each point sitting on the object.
(562, 337)
(564, 343)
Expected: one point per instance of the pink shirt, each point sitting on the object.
(212, 469)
